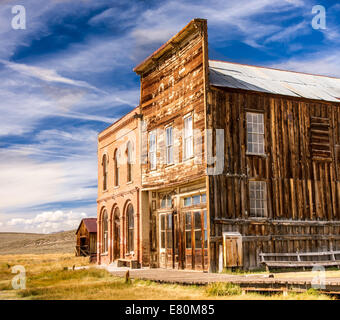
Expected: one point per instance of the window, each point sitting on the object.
(152, 150)
(169, 145)
(162, 231)
(130, 228)
(105, 234)
(188, 230)
(116, 168)
(166, 202)
(169, 231)
(198, 229)
(258, 198)
(195, 200)
(104, 164)
(129, 161)
(188, 138)
(205, 229)
(255, 133)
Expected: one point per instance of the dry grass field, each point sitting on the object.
(21, 243)
(48, 277)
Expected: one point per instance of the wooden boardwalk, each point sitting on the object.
(249, 282)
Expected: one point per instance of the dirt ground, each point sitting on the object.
(26, 243)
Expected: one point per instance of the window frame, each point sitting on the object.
(256, 134)
(105, 171)
(105, 233)
(169, 146)
(264, 205)
(190, 137)
(128, 162)
(130, 229)
(152, 154)
(116, 168)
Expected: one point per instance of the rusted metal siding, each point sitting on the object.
(303, 188)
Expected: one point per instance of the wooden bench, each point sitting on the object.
(296, 259)
(133, 264)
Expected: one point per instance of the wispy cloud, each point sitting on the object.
(324, 63)
(44, 74)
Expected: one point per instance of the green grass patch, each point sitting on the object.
(223, 289)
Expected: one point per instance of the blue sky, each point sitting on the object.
(68, 75)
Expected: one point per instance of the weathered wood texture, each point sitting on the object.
(301, 167)
(173, 87)
(86, 242)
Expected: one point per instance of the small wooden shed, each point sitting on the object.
(87, 238)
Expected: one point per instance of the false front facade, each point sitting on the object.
(230, 160)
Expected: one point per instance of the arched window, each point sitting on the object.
(130, 227)
(105, 235)
(116, 231)
(129, 161)
(116, 168)
(104, 164)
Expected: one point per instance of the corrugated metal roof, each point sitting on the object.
(262, 79)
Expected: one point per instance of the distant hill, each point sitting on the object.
(35, 243)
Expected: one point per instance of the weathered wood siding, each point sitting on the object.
(173, 87)
(90, 238)
(301, 168)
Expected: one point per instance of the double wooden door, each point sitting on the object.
(183, 240)
(195, 240)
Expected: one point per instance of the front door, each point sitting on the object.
(166, 235)
(196, 240)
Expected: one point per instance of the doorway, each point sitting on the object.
(116, 234)
(195, 240)
(168, 241)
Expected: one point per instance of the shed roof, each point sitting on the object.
(269, 80)
(90, 224)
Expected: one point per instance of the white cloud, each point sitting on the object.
(324, 63)
(49, 221)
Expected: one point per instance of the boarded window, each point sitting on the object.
(258, 198)
(188, 138)
(255, 133)
(320, 143)
(169, 145)
(152, 150)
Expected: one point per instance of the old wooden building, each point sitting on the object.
(233, 160)
(86, 235)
